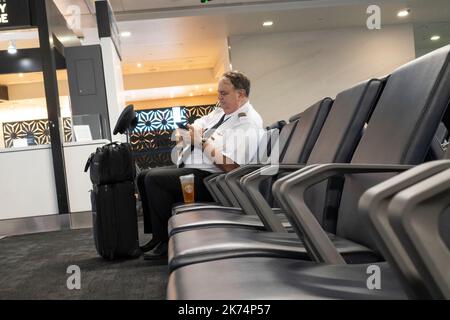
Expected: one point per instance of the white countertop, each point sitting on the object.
(47, 146)
(29, 148)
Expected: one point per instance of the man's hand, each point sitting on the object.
(182, 136)
(196, 134)
(179, 136)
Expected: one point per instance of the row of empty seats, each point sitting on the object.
(311, 226)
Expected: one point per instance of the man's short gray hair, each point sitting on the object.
(238, 80)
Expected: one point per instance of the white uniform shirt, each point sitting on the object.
(237, 138)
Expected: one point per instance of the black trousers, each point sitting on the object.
(160, 189)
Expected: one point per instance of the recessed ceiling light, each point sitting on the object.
(191, 94)
(125, 34)
(139, 65)
(210, 89)
(21, 75)
(268, 23)
(435, 38)
(12, 49)
(403, 13)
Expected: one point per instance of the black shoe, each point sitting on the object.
(159, 252)
(150, 245)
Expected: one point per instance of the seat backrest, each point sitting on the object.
(306, 132)
(439, 143)
(345, 123)
(285, 136)
(275, 127)
(337, 141)
(295, 117)
(400, 131)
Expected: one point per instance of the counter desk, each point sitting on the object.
(27, 187)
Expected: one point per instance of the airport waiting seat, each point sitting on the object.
(410, 224)
(440, 143)
(420, 216)
(222, 201)
(411, 108)
(278, 126)
(218, 186)
(337, 140)
(318, 281)
(297, 151)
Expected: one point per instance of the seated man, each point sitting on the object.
(217, 142)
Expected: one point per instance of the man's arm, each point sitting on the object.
(222, 162)
(242, 147)
(219, 160)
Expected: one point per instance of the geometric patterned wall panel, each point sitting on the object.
(19, 130)
(153, 131)
(67, 126)
(193, 113)
(151, 139)
(153, 159)
(37, 128)
(157, 119)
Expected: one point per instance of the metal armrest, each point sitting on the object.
(414, 214)
(290, 192)
(226, 192)
(209, 181)
(373, 205)
(251, 184)
(205, 207)
(232, 180)
(218, 193)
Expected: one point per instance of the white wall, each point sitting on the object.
(291, 71)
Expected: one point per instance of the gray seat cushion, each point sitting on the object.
(275, 278)
(216, 218)
(195, 246)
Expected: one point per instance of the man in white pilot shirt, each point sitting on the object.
(223, 140)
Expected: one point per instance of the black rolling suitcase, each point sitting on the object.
(112, 172)
(114, 214)
(115, 220)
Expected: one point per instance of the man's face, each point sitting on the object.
(230, 98)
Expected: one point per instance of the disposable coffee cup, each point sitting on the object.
(187, 185)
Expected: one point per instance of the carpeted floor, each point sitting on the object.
(34, 267)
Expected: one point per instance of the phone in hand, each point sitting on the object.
(181, 125)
